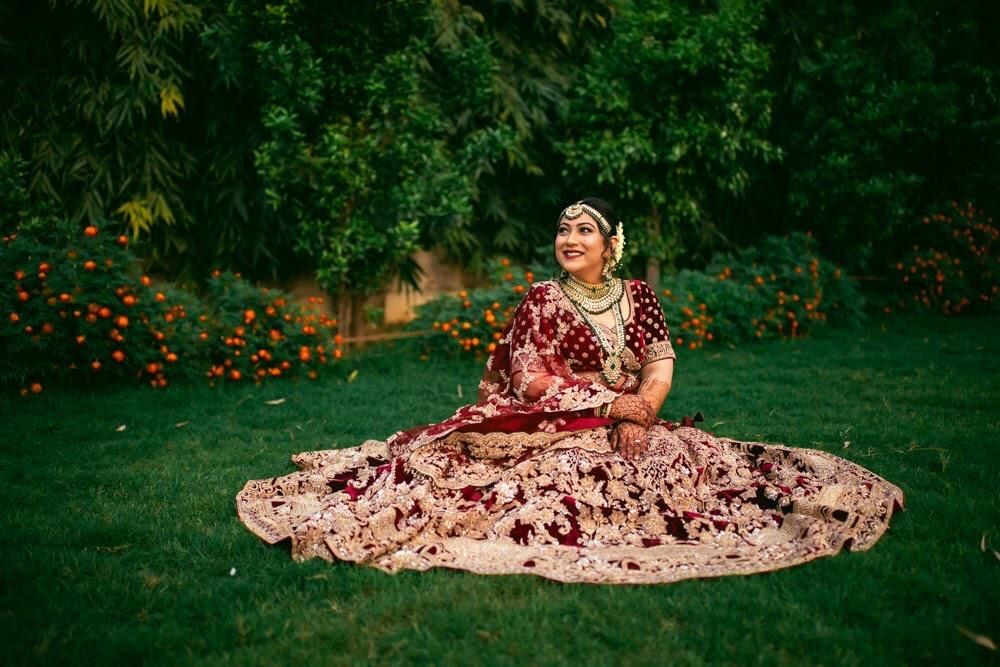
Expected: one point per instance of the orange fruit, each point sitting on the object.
(36, 387)
(118, 356)
(90, 265)
(90, 231)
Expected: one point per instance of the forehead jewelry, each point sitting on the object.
(576, 210)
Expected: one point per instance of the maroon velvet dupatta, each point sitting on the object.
(544, 374)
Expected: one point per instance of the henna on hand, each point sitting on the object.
(630, 439)
(632, 408)
(657, 377)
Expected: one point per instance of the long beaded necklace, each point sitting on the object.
(593, 300)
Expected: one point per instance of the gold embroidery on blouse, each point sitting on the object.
(659, 350)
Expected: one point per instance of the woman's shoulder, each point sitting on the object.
(543, 288)
(541, 291)
(641, 289)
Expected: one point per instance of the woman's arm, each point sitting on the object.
(657, 378)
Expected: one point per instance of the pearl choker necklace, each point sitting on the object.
(594, 299)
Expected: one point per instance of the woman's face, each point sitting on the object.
(580, 248)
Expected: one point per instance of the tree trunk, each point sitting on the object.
(654, 233)
(358, 318)
(350, 316)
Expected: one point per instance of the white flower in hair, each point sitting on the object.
(620, 248)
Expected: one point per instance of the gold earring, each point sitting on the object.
(608, 270)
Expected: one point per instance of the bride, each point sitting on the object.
(562, 468)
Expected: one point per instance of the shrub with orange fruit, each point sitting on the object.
(779, 288)
(79, 310)
(469, 322)
(955, 265)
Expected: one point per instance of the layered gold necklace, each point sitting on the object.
(595, 299)
(589, 300)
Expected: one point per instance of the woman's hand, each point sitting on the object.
(631, 440)
(634, 409)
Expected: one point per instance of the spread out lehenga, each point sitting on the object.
(510, 485)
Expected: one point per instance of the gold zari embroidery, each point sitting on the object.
(566, 507)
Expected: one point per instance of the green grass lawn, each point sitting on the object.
(118, 544)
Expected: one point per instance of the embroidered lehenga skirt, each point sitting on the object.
(508, 486)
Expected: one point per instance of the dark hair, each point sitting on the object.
(605, 209)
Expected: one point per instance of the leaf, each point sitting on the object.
(982, 640)
(276, 401)
(121, 428)
(181, 424)
(460, 391)
(232, 572)
(982, 543)
(170, 100)
(353, 376)
(847, 443)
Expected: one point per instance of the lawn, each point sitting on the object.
(121, 542)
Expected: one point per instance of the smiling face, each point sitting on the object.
(581, 249)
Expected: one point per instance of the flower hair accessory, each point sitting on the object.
(619, 250)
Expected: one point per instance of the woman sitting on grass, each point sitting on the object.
(562, 467)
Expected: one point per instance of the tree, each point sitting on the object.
(673, 116)
(91, 96)
(882, 111)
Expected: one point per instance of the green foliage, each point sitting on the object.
(882, 110)
(76, 309)
(780, 288)
(953, 265)
(672, 118)
(281, 137)
(92, 95)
